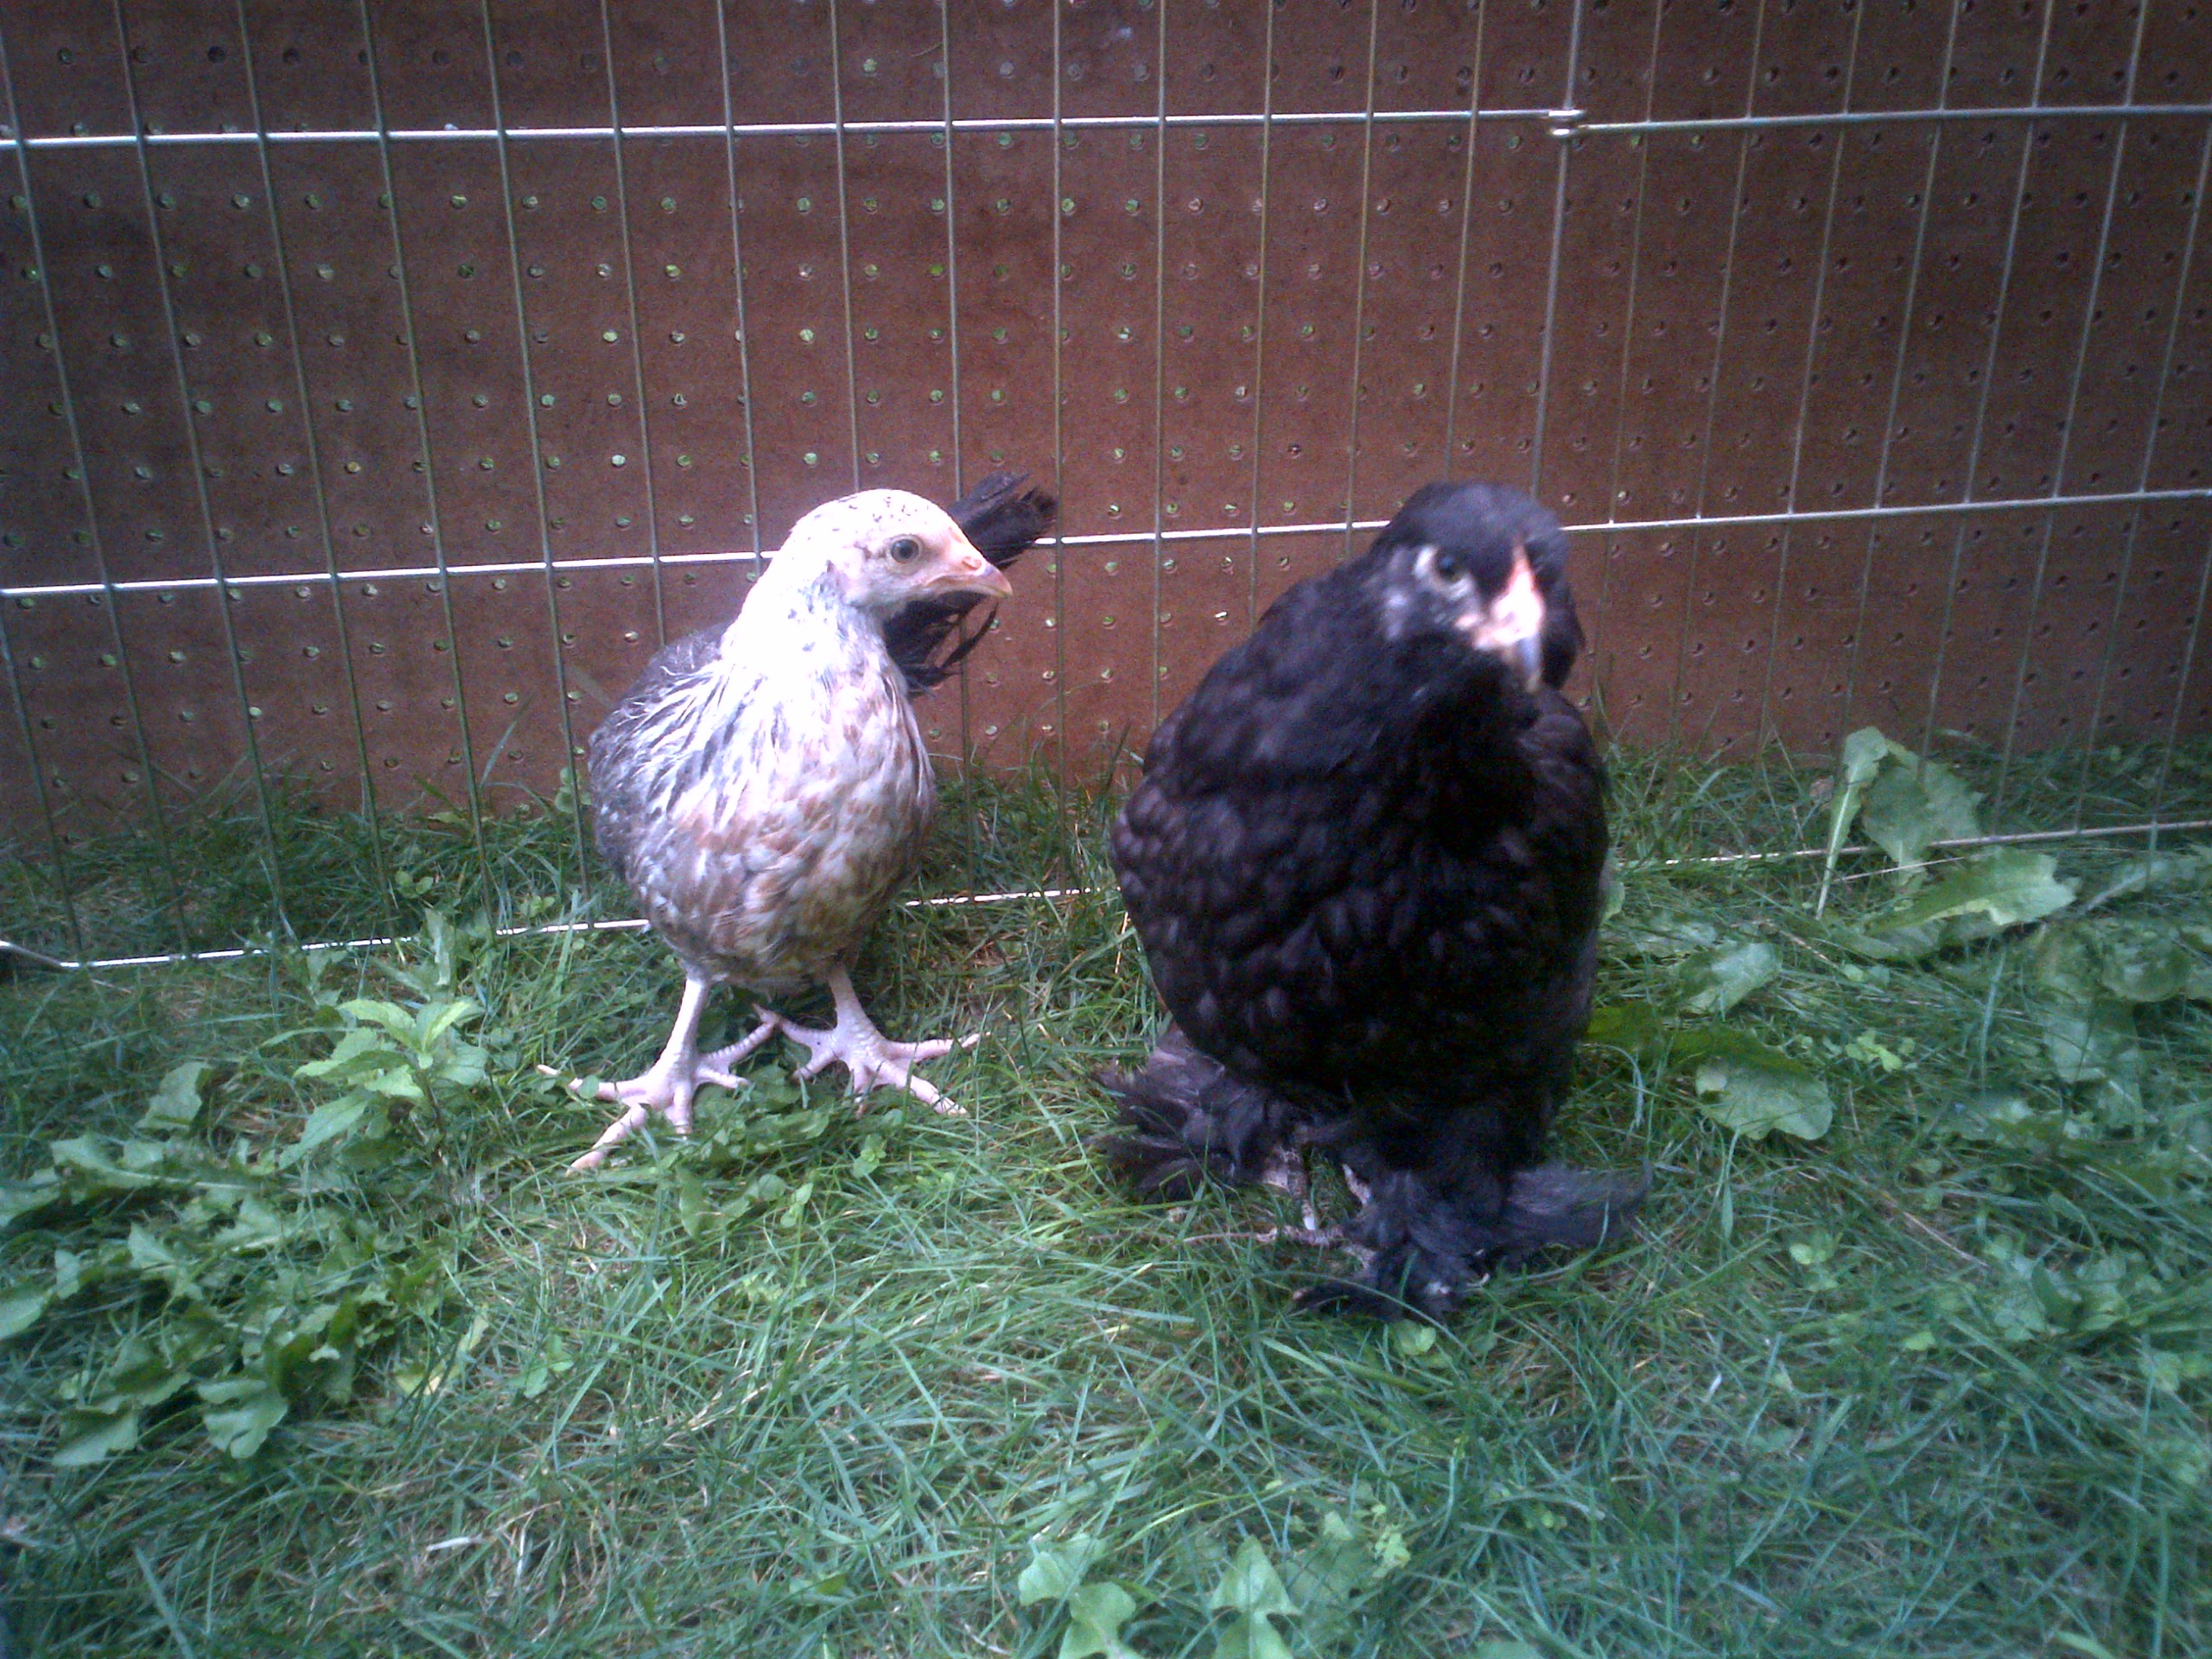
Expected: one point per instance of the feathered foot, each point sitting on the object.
(1186, 1120)
(874, 1059)
(665, 1087)
(1423, 1250)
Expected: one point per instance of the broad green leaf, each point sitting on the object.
(1993, 890)
(176, 1105)
(240, 1411)
(1717, 982)
(90, 1433)
(439, 1018)
(1095, 1614)
(1864, 750)
(693, 1212)
(1669, 937)
(2094, 1042)
(1635, 1027)
(349, 1050)
(21, 1308)
(551, 1361)
(1251, 1635)
(2181, 872)
(28, 1198)
(1755, 1090)
(1055, 1570)
(371, 1011)
(1912, 805)
(328, 1122)
(396, 1083)
(1251, 1585)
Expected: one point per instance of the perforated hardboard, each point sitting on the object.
(455, 416)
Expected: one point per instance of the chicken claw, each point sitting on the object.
(874, 1059)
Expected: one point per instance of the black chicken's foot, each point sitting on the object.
(874, 1059)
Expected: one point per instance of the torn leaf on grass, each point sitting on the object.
(1254, 1592)
(1718, 981)
(1755, 1090)
(175, 1105)
(1993, 890)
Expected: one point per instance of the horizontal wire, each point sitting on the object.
(1563, 123)
(639, 924)
(238, 584)
(527, 930)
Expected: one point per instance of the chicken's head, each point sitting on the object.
(1487, 565)
(886, 549)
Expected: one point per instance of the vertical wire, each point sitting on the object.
(1548, 346)
(568, 754)
(1359, 283)
(111, 601)
(2180, 695)
(225, 596)
(1840, 138)
(844, 241)
(1888, 446)
(1466, 227)
(54, 841)
(1159, 342)
(1628, 347)
(951, 258)
(284, 263)
(637, 341)
(1674, 695)
(2090, 315)
(14, 675)
(1059, 448)
(1988, 378)
(737, 276)
(2150, 454)
(1260, 309)
(952, 321)
(433, 521)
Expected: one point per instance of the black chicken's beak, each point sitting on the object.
(1510, 627)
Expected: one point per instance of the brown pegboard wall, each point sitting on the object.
(1799, 309)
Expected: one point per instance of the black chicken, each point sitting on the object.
(1366, 861)
(763, 787)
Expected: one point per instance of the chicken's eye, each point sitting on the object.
(1449, 566)
(904, 551)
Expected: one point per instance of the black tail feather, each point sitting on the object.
(1002, 519)
(1188, 1120)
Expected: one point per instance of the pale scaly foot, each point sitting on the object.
(666, 1087)
(874, 1059)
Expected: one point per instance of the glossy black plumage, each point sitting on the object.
(1366, 862)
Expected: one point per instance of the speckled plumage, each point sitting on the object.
(766, 799)
(764, 788)
(1365, 862)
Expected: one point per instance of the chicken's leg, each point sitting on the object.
(872, 1058)
(667, 1086)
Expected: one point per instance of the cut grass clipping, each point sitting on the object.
(310, 1345)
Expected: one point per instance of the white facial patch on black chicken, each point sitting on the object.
(1509, 624)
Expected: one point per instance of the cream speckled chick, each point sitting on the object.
(764, 790)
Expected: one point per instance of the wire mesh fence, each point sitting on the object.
(386, 381)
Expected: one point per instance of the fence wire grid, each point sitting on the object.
(386, 381)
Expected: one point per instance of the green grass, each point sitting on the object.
(1799, 1415)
